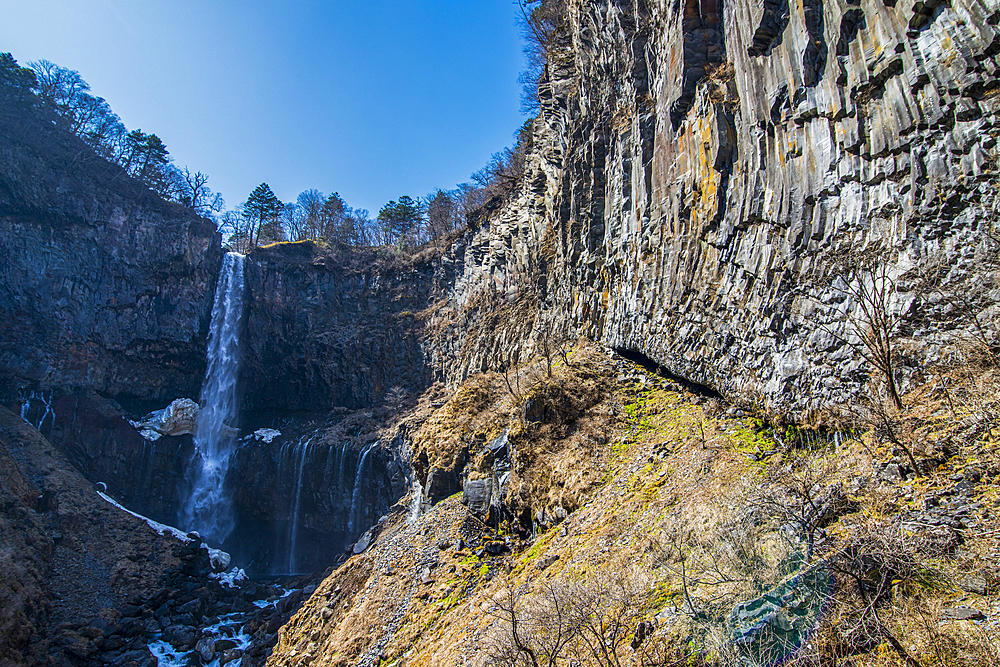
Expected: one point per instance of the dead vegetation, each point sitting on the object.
(668, 529)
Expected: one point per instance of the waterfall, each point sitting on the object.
(303, 451)
(417, 501)
(343, 457)
(209, 507)
(357, 486)
(46, 403)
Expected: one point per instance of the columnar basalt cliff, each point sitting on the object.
(708, 175)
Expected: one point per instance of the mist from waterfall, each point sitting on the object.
(209, 507)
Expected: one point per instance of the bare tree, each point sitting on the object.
(292, 222)
(442, 213)
(196, 195)
(601, 623)
(881, 556)
(237, 229)
(395, 398)
(311, 205)
(538, 630)
(871, 291)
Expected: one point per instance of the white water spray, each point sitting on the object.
(209, 507)
(416, 500)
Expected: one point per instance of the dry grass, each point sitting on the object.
(687, 510)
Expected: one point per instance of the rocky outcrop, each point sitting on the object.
(710, 178)
(104, 285)
(145, 473)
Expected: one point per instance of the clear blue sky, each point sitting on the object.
(371, 99)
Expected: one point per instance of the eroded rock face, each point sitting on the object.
(333, 327)
(705, 214)
(103, 284)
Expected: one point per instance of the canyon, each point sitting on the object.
(713, 191)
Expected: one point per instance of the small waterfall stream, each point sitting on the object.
(343, 458)
(209, 508)
(303, 454)
(357, 486)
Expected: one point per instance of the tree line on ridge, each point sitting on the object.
(263, 218)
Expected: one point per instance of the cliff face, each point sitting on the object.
(710, 176)
(103, 285)
(302, 498)
(146, 476)
(333, 327)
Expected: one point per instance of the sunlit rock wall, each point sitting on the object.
(705, 172)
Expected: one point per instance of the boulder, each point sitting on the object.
(363, 542)
(476, 494)
(178, 418)
(962, 614)
(220, 560)
(206, 649)
(229, 656)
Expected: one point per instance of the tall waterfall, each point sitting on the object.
(209, 507)
(303, 454)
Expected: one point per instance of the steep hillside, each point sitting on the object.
(71, 561)
(646, 525)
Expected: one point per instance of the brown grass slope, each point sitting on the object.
(695, 533)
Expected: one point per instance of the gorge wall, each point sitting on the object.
(704, 179)
(334, 327)
(105, 285)
(708, 176)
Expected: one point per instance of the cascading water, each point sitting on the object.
(209, 508)
(357, 487)
(343, 458)
(303, 452)
(416, 499)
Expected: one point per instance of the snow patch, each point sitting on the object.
(220, 559)
(232, 578)
(160, 528)
(266, 434)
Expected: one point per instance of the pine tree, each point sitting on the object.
(400, 220)
(263, 208)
